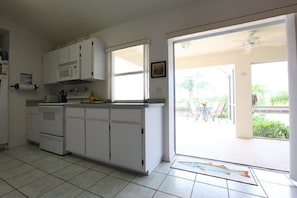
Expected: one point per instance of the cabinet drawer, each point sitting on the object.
(52, 143)
(126, 115)
(75, 112)
(97, 113)
(32, 110)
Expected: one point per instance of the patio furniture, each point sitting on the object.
(218, 112)
(193, 109)
(205, 112)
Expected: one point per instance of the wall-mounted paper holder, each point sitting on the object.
(25, 87)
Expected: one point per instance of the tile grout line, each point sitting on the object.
(71, 163)
(260, 183)
(37, 168)
(167, 174)
(193, 185)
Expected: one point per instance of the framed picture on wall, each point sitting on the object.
(158, 69)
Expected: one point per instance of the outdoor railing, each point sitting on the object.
(270, 109)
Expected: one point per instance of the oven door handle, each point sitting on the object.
(51, 109)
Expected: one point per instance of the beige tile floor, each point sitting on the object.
(26, 171)
(217, 140)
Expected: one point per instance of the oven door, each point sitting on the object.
(51, 119)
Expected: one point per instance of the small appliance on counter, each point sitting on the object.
(63, 96)
(51, 98)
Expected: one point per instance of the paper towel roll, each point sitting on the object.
(24, 87)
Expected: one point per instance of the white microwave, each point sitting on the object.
(68, 71)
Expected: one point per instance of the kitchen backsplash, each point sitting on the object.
(79, 90)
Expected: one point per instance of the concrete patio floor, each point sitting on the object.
(217, 140)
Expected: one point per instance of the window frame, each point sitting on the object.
(145, 70)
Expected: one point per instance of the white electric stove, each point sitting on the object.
(52, 129)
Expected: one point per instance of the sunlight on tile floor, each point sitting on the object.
(217, 140)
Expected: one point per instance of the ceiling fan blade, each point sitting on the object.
(247, 50)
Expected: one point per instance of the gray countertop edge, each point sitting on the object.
(33, 103)
(116, 105)
(156, 102)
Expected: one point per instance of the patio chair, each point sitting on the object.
(193, 110)
(218, 112)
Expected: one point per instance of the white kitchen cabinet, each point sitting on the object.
(87, 56)
(127, 145)
(127, 136)
(136, 137)
(32, 123)
(92, 59)
(63, 55)
(74, 53)
(49, 66)
(97, 134)
(75, 130)
(68, 54)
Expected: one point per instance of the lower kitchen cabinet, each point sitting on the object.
(32, 123)
(97, 134)
(136, 137)
(75, 130)
(128, 137)
(127, 145)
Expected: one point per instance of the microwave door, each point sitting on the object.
(64, 74)
(71, 73)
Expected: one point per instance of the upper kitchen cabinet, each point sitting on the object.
(83, 60)
(92, 59)
(68, 54)
(50, 63)
(68, 63)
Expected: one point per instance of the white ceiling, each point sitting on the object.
(61, 21)
(267, 36)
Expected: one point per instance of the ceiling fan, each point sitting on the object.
(251, 42)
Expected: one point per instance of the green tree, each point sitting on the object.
(188, 84)
(280, 98)
(260, 91)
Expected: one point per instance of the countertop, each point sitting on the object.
(122, 104)
(33, 103)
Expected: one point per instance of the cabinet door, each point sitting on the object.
(32, 124)
(97, 140)
(86, 59)
(75, 130)
(74, 52)
(93, 59)
(49, 66)
(127, 145)
(75, 135)
(63, 55)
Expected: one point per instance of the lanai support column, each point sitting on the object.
(291, 26)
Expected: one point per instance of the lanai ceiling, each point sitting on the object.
(246, 40)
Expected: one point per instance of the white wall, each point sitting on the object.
(25, 50)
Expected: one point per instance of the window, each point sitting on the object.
(129, 68)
